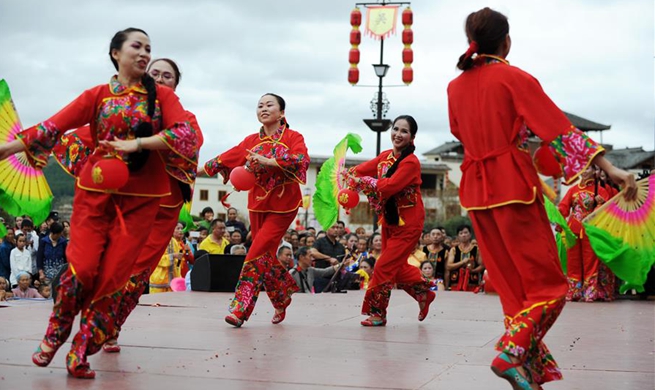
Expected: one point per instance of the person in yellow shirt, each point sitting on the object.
(172, 262)
(215, 243)
(417, 257)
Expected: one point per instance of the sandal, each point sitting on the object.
(371, 322)
(503, 367)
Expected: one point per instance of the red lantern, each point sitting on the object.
(408, 56)
(408, 36)
(110, 173)
(242, 179)
(348, 198)
(408, 75)
(353, 76)
(355, 37)
(353, 56)
(356, 18)
(408, 17)
(546, 163)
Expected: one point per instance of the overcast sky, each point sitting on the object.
(594, 58)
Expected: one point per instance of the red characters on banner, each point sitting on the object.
(355, 40)
(408, 39)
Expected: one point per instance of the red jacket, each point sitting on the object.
(277, 188)
(491, 107)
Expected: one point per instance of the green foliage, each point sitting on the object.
(61, 183)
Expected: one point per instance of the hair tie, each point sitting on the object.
(473, 48)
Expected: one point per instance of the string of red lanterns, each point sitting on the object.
(355, 40)
(408, 39)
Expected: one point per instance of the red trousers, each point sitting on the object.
(101, 257)
(398, 242)
(519, 252)
(262, 266)
(160, 234)
(582, 271)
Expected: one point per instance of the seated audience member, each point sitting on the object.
(375, 246)
(5, 292)
(8, 243)
(285, 257)
(24, 290)
(294, 241)
(417, 257)
(327, 251)
(365, 271)
(236, 237)
(215, 243)
(311, 231)
(427, 270)
(437, 252)
(361, 232)
(203, 232)
(20, 259)
(305, 275)
(464, 265)
(238, 250)
(45, 290)
(207, 215)
(52, 252)
(232, 224)
(173, 263)
(311, 240)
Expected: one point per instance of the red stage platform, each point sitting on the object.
(185, 344)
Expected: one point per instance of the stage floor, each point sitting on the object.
(184, 343)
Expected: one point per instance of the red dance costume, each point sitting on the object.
(273, 204)
(100, 256)
(71, 153)
(490, 106)
(589, 279)
(398, 241)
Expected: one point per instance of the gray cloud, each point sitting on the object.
(593, 58)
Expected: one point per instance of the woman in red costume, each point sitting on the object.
(144, 125)
(392, 184)
(490, 105)
(278, 157)
(583, 266)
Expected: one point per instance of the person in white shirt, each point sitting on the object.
(20, 259)
(31, 241)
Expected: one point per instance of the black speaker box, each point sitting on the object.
(216, 273)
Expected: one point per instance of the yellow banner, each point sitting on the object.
(381, 21)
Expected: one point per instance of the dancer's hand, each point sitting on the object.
(259, 159)
(120, 145)
(11, 148)
(626, 180)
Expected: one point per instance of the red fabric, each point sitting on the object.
(267, 230)
(579, 202)
(158, 237)
(489, 107)
(276, 189)
(101, 256)
(520, 255)
(105, 109)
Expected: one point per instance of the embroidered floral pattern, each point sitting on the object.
(574, 152)
(266, 270)
(214, 166)
(68, 304)
(182, 156)
(72, 153)
(523, 339)
(39, 140)
(376, 300)
(130, 298)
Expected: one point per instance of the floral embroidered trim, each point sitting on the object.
(574, 152)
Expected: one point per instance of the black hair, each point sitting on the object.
(391, 205)
(137, 160)
(280, 100)
(206, 210)
(282, 248)
(302, 251)
(176, 69)
(56, 228)
(341, 223)
(202, 229)
(488, 28)
(462, 227)
(370, 261)
(27, 223)
(214, 222)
